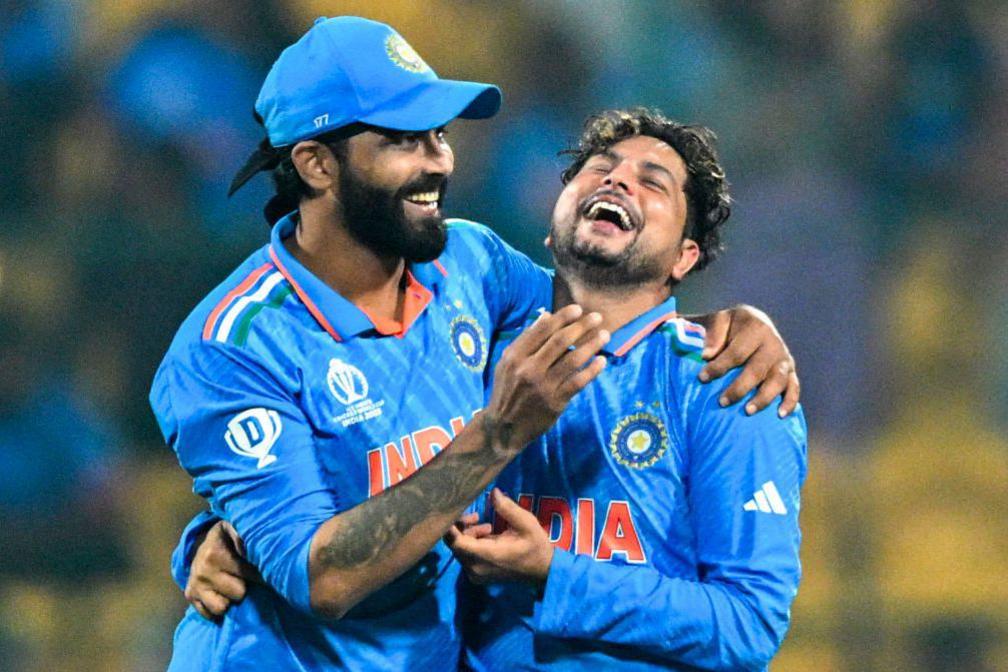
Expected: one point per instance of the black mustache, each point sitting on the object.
(437, 183)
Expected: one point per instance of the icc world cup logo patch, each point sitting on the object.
(468, 342)
(639, 440)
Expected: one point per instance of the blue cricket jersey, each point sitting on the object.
(287, 405)
(674, 522)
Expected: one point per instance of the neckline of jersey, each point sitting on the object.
(633, 332)
(338, 316)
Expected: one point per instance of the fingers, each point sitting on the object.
(775, 382)
(740, 349)
(791, 395)
(466, 520)
(451, 536)
(208, 603)
(716, 325)
(230, 586)
(465, 548)
(232, 535)
(580, 380)
(468, 525)
(547, 324)
(772, 380)
(219, 553)
(202, 610)
(478, 531)
(754, 373)
(215, 603)
(519, 519)
(560, 342)
(573, 360)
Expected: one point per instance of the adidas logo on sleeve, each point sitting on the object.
(766, 500)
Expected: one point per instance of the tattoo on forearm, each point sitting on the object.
(446, 484)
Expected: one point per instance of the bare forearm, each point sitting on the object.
(361, 550)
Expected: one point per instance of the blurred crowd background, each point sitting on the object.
(867, 142)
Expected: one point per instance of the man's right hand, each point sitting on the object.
(540, 372)
(219, 573)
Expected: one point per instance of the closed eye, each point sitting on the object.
(600, 167)
(654, 184)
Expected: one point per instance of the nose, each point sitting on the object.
(620, 177)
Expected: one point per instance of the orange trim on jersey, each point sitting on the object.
(230, 296)
(416, 299)
(647, 329)
(309, 304)
(440, 267)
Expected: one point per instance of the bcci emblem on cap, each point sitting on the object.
(403, 55)
(468, 342)
(639, 440)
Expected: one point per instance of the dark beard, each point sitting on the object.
(377, 218)
(598, 269)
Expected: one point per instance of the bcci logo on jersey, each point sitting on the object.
(348, 384)
(639, 440)
(252, 433)
(468, 342)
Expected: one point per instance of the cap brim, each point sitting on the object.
(435, 103)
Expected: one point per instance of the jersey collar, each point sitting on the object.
(338, 316)
(632, 333)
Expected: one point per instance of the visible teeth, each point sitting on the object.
(611, 207)
(424, 197)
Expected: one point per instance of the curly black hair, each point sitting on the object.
(708, 204)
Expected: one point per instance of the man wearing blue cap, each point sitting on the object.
(306, 392)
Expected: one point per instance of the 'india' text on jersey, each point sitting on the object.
(674, 522)
(288, 405)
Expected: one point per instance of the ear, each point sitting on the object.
(315, 164)
(689, 255)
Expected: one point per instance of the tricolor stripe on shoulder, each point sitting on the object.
(231, 319)
(688, 336)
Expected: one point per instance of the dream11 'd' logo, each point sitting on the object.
(252, 433)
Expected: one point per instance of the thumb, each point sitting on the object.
(717, 326)
(232, 534)
(518, 518)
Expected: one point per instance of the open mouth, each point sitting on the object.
(601, 209)
(429, 201)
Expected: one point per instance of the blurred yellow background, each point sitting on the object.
(867, 144)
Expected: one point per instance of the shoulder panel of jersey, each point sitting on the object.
(253, 294)
(230, 320)
(684, 342)
(471, 246)
(685, 337)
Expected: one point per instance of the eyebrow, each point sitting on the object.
(648, 165)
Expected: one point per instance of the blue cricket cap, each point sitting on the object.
(349, 73)
(348, 70)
